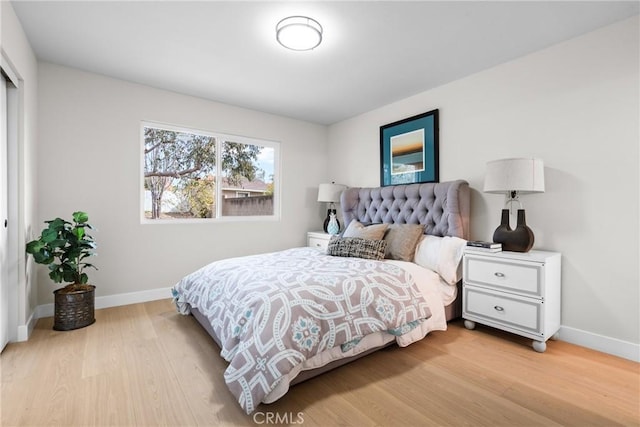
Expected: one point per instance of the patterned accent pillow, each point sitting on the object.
(372, 232)
(356, 247)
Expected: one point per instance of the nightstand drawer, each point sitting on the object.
(522, 277)
(318, 243)
(519, 313)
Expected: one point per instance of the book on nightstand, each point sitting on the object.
(477, 249)
(483, 244)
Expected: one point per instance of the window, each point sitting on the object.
(182, 169)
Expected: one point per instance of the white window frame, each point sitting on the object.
(220, 138)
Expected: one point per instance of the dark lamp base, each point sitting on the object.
(518, 240)
(328, 218)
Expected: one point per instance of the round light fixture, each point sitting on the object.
(299, 33)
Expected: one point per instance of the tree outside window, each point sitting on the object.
(180, 174)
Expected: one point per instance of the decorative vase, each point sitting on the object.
(519, 240)
(333, 227)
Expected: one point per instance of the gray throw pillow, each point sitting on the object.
(402, 240)
(371, 232)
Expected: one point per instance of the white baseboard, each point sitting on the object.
(590, 340)
(614, 346)
(24, 331)
(46, 310)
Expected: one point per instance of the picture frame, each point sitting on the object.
(409, 150)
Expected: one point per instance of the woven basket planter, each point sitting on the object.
(74, 309)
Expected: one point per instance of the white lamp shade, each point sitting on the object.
(521, 175)
(330, 192)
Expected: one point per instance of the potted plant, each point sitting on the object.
(64, 246)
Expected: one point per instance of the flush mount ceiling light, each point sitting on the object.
(299, 33)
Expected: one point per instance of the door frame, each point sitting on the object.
(14, 207)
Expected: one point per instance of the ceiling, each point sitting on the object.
(372, 54)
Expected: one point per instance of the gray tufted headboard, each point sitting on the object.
(442, 207)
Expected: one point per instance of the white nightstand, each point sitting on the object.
(513, 291)
(318, 239)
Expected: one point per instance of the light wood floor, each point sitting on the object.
(146, 365)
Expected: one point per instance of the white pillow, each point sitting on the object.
(442, 255)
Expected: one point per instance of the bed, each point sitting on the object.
(284, 317)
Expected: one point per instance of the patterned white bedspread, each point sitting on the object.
(273, 311)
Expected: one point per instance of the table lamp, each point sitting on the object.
(514, 177)
(330, 193)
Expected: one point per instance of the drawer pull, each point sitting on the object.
(498, 308)
(498, 274)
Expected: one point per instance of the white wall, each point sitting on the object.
(89, 159)
(18, 55)
(576, 106)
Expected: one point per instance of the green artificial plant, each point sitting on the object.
(64, 247)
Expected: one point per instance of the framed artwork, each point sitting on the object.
(409, 150)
